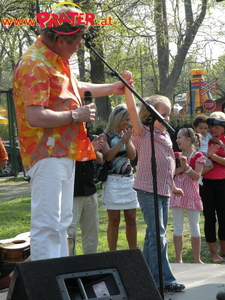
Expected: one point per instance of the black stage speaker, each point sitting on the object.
(116, 275)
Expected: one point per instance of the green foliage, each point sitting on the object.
(183, 83)
(98, 127)
(218, 71)
(177, 123)
(4, 132)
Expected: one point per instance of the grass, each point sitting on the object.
(15, 219)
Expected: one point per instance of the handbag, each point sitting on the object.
(101, 170)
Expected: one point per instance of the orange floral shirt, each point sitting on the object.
(41, 77)
(3, 153)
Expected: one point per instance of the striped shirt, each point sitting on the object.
(165, 161)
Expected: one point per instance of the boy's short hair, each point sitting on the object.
(199, 119)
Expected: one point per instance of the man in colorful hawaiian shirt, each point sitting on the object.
(52, 134)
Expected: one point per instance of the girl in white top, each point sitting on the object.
(117, 192)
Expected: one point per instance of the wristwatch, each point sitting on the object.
(74, 115)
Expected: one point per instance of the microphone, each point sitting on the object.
(88, 36)
(215, 122)
(88, 100)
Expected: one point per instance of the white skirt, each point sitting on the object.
(118, 193)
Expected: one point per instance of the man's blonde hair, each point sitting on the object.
(154, 101)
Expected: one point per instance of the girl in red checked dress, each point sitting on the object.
(189, 167)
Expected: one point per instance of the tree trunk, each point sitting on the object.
(98, 76)
(168, 80)
(81, 64)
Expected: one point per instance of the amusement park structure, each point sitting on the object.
(199, 98)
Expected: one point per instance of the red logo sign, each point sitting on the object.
(209, 105)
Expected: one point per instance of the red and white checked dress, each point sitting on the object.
(190, 187)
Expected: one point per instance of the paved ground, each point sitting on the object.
(203, 282)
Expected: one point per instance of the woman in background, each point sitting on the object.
(213, 192)
(117, 191)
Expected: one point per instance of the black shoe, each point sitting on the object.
(174, 287)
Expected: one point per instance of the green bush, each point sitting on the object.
(4, 132)
(98, 128)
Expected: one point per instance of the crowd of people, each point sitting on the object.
(59, 158)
